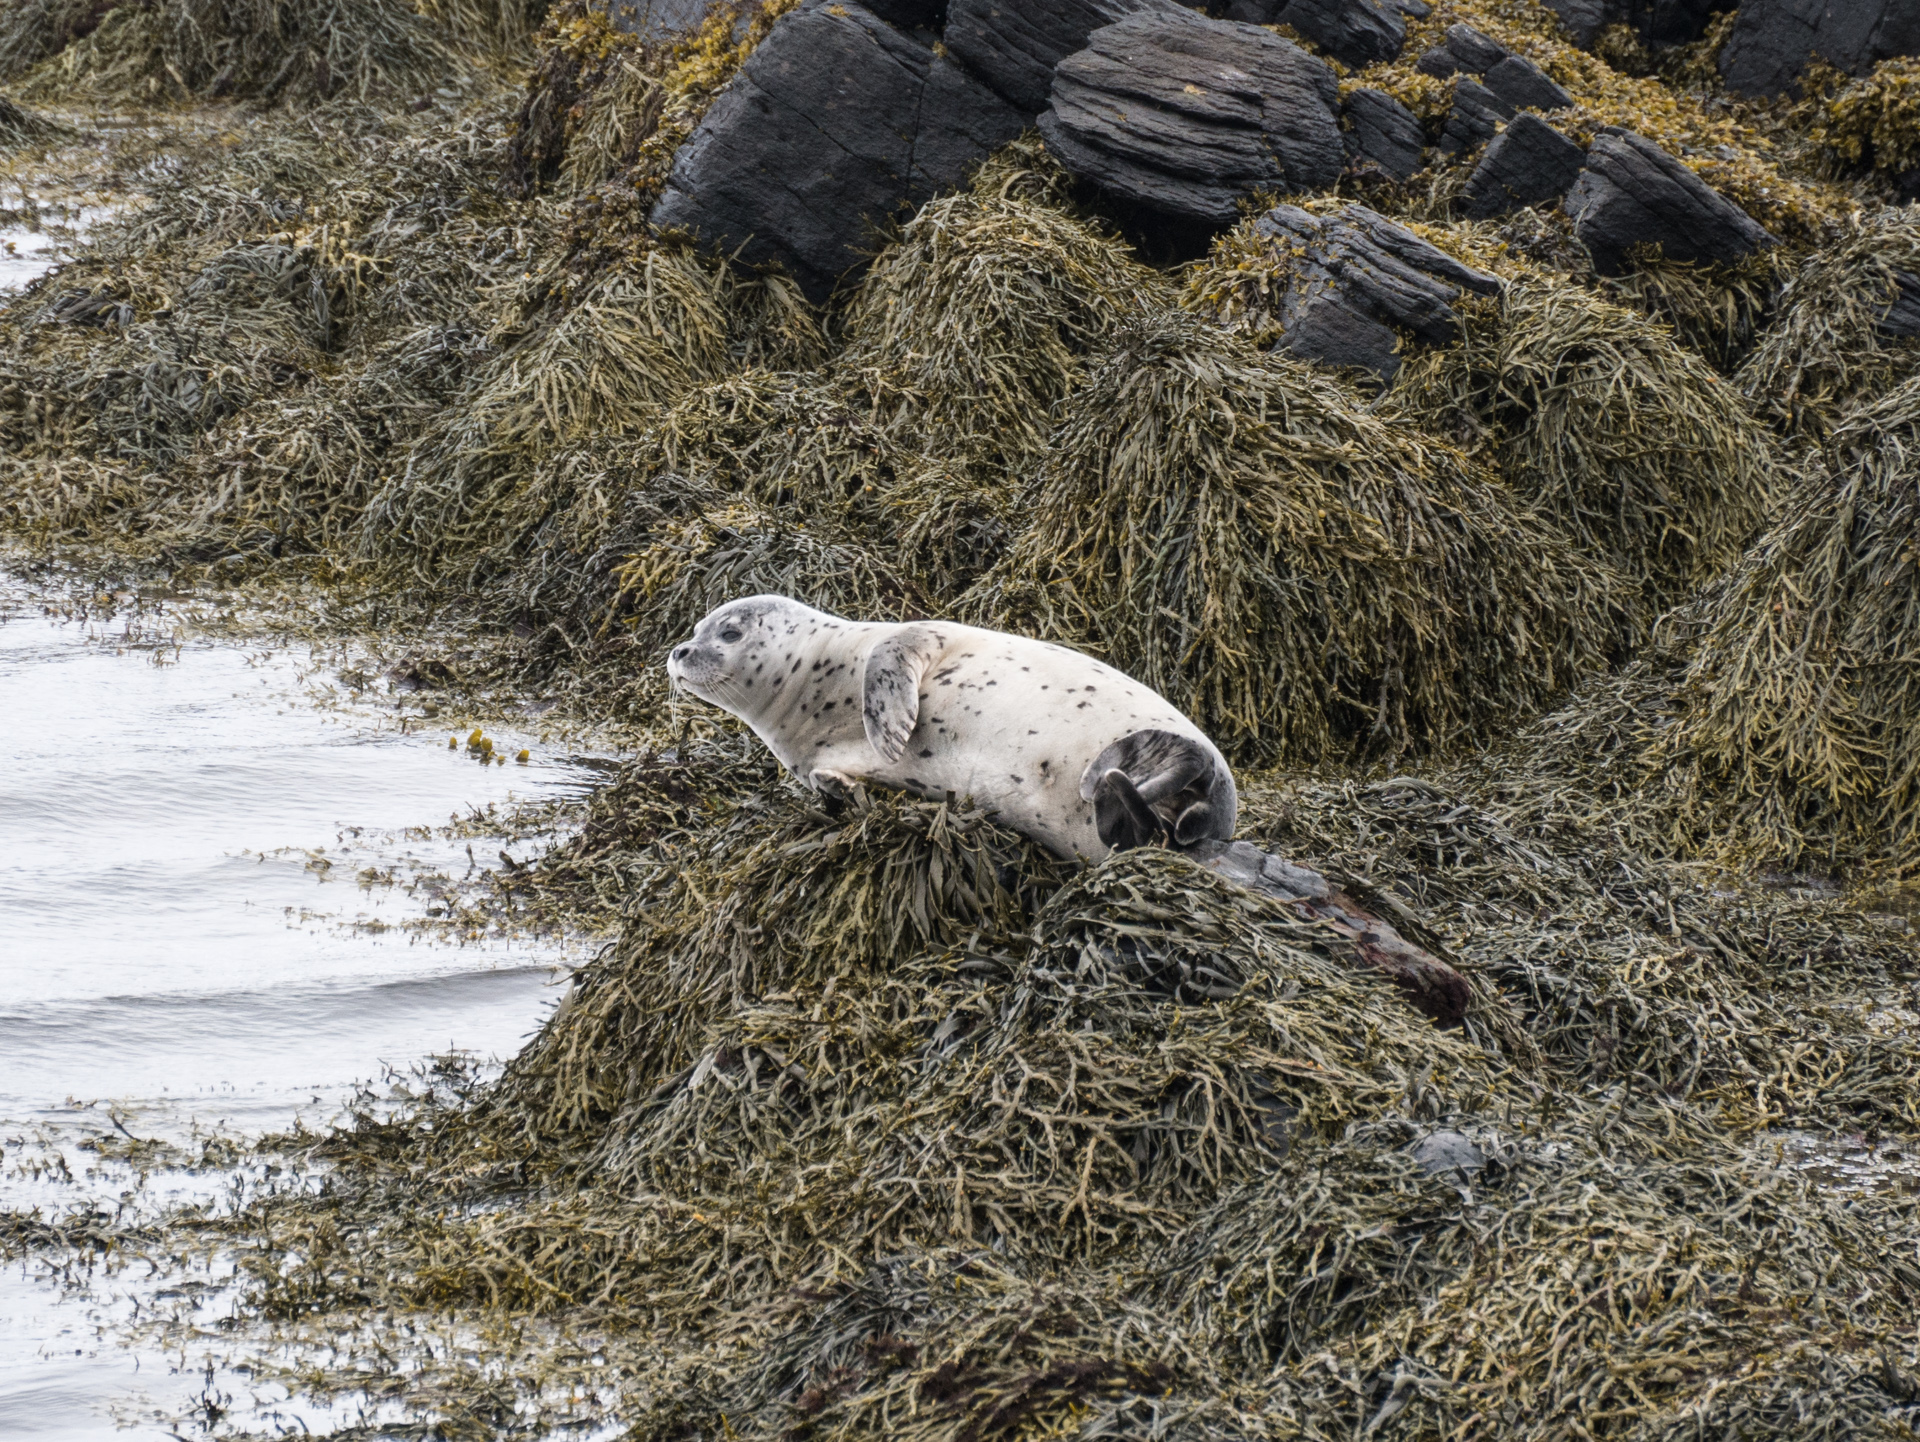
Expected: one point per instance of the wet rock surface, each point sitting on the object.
(1633, 195)
(1429, 984)
(1525, 86)
(1773, 41)
(1465, 48)
(1184, 115)
(1527, 163)
(1356, 280)
(1476, 117)
(835, 123)
(1013, 48)
(1382, 132)
(1354, 32)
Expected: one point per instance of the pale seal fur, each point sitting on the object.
(1069, 752)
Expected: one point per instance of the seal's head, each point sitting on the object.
(730, 658)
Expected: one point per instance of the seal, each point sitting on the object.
(1071, 753)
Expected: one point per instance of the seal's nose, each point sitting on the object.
(680, 653)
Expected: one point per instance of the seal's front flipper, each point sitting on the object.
(1121, 816)
(890, 699)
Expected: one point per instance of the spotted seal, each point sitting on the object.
(1069, 752)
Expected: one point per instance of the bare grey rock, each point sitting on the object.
(1185, 115)
(1354, 32)
(1445, 1151)
(1357, 280)
(1464, 49)
(1476, 117)
(1013, 45)
(1773, 40)
(1527, 163)
(1633, 194)
(1525, 86)
(1383, 132)
(836, 123)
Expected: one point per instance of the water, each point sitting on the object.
(216, 881)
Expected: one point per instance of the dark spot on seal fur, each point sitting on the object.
(926, 753)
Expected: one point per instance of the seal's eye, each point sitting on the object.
(730, 635)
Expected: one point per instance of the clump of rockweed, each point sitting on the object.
(1801, 699)
(1846, 328)
(1302, 576)
(20, 127)
(982, 314)
(604, 108)
(1872, 122)
(1417, 1299)
(1630, 442)
(274, 51)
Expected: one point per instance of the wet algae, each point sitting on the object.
(1574, 652)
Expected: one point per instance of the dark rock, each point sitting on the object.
(1429, 984)
(1354, 32)
(1656, 22)
(1356, 280)
(1527, 163)
(835, 123)
(1413, 9)
(1525, 86)
(1584, 19)
(1184, 115)
(1773, 40)
(1464, 49)
(911, 15)
(1013, 45)
(1475, 119)
(1633, 194)
(657, 19)
(1383, 132)
(1902, 318)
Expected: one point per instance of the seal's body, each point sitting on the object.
(1069, 752)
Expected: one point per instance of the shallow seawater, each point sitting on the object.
(217, 876)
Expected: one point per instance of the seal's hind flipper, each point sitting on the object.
(890, 691)
(1160, 764)
(1193, 824)
(1121, 815)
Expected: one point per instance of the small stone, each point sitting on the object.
(1464, 49)
(1356, 280)
(1475, 119)
(1383, 132)
(1525, 86)
(1527, 163)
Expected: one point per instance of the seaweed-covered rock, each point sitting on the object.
(1526, 163)
(1354, 32)
(1383, 132)
(1525, 86)
(1014, 47)
(835, 123)
(1773, 40)
(1475, 118)
(1185, 115)
(1357, 279)
(1633, 194)
(1464, 49)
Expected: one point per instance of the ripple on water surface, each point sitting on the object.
(182, 934)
